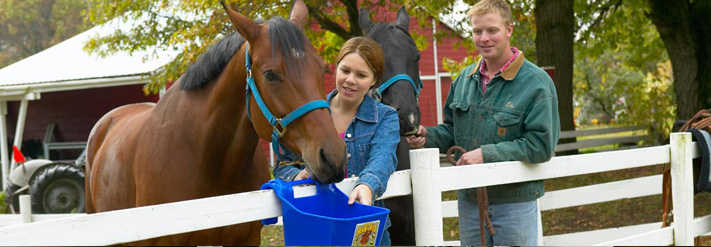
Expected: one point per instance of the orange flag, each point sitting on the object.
(17, 155)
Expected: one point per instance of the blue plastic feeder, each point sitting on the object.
(326, 218)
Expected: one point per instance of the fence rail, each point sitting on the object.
(578, 144)
(129, 225)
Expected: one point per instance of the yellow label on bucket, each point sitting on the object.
(365, 234)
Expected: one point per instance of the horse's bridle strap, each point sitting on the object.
(278, 124)
(379, 91)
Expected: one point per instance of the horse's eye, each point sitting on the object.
(271, 76)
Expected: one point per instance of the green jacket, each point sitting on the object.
(516, 119)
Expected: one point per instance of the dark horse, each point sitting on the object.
(399, 87)
(199, 140)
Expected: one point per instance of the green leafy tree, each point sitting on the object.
(190, 26)
(652, 31)
(685, 28)
(30, 26)
(621, 57)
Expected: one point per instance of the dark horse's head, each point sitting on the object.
(401, 57)
(288, 74)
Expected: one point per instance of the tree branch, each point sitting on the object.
(327, 23)
(352, 10)
(603, 12)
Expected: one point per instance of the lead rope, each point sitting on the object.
(482, 199)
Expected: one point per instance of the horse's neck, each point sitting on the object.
(225, 111)
(214, 119)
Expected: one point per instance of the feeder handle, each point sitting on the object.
(300, 182)
(282, 189)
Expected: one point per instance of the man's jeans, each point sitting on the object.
(516, 224)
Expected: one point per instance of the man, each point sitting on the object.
(503, 108)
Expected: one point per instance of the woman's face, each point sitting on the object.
(353, 78)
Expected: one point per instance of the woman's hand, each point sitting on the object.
(303, 174)
(362, 194)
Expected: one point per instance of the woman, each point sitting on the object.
(369, 128)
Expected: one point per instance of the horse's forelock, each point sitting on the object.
(283, 35)
(291, 40)
(383, 28)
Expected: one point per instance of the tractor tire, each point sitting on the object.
(11, 199)
(58, 188)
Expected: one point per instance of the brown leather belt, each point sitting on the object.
(482, 199)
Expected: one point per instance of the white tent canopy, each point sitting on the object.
(66, 66)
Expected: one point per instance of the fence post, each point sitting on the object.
(427, 196)
(682, 188)
(25, 208)
(540, 223)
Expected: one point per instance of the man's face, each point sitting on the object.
(491, 35)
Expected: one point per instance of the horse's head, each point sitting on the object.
(288, 74)
(401, 58)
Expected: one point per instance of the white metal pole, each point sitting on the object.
(271, 157)
(682, 188)
(438, 79)
(25, 208)
(540, 223)
(3, 146)
(427, 196)
(20, 128)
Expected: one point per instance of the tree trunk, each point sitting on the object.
(554, 45)
(685, 28)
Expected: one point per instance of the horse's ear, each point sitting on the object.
(299, 14)
(364, 20)
(247, 28)
(403, 19)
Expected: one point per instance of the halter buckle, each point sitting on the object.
(289, 162)
(279, 128)
(377, 96)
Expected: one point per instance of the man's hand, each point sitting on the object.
(471, 157)
(303, 174)
(419, 139)
(362, 194)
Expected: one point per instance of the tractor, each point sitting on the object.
(54, 186)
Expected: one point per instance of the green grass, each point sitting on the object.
(3, 207)
(272, 236)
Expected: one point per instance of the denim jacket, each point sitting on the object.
(371, 140)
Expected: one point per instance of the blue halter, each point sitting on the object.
(378, 93)
(278, 124)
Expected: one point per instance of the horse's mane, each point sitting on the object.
(283, 35)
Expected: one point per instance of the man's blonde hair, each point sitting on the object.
(484, 7)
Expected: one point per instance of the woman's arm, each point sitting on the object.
(382, 159)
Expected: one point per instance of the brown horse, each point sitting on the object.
(200, 139)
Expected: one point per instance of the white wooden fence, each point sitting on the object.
(129, 225)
